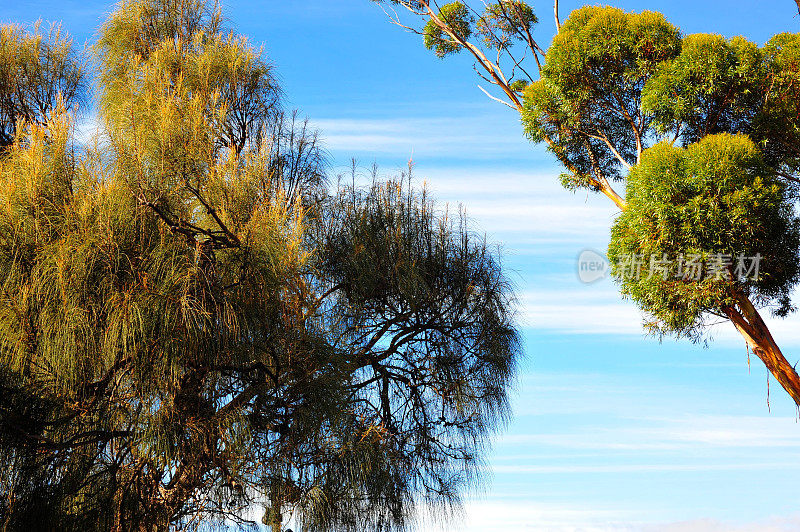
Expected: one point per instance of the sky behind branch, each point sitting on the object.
(612, 431)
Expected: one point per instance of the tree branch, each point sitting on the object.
(558, 21)
(496, 98)
(493, 69)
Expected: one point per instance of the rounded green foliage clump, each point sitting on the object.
(506, 21)
(711, 87)
(692, 213)
(588, 96)
(777, 127)
(457, 17)
(600, 49)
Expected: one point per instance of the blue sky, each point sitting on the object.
(612, 431)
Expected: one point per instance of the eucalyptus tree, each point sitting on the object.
(193, 326)
(702, 129)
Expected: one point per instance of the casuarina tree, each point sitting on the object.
(196, 329)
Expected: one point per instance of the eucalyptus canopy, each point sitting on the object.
(703, 130)
(192, 326)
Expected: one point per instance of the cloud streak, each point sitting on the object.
(470, 137)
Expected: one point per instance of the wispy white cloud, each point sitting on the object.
(470, 137)
(468, 182)
(519, 516)
(565, 304)
(665, 434)
(538, 217)
(497, 516)
(771, 524)
(529, 211)
(640, 468)
(579, 309)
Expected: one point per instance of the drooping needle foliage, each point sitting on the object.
(195, 329)
(37, 70)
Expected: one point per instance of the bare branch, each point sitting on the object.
(394, 18)
(613, 149)
(558, 21)
(234, 240)
(496, 99)
(784, 174)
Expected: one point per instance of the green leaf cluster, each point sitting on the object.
(589, 95)
(504, 22)
(716, 196)
(499, 26)
(712, 86)
(459, 20)
(777, 127)
(613, 85)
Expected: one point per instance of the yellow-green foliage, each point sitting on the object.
(711, 87)
(777, 126)
(191, 324)
(114, 258)
(607, 50)
(100, 273)
(457, 17)
(716, 196)
(591, 86)
(37, 69)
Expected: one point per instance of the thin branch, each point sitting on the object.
(613, 149)
(518, 64)
(234, 240)
(493, 70)
(558, 21)
(784, 174)
(394, 18)
(496, 98)
(636, 132)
